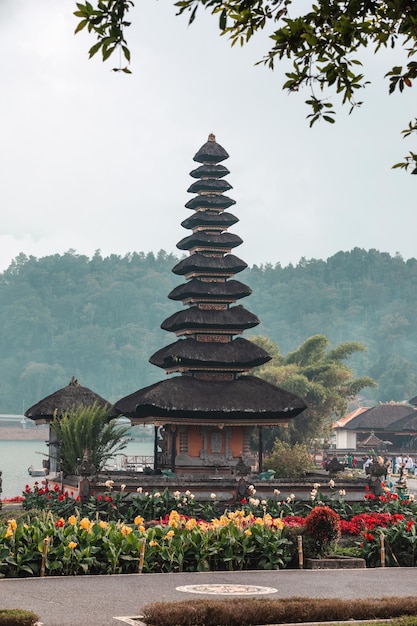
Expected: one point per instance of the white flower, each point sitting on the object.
(254, 501)
(122, 487)
(109, 484)
(213, 496)
(292, 496)
(188, 493)
(289, 499)
(276, 492)
(263, 502)
(316, 486)
(251, 488)
(139, 489)
(177, 495)
(156, 494)
(331, 483)
(342, 492)
(313, 493)
(185, 500)
(411, 497)
(192, 496)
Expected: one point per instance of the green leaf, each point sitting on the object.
(94, 49)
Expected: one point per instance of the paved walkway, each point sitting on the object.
(99, 600)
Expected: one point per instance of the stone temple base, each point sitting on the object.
(335, 562)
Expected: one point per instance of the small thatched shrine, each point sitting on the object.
(71, 397)
(205, 413)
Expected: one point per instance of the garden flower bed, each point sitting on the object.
(118, 533)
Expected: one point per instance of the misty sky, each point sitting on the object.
(92, 159)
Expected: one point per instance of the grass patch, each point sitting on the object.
(251, 611)
(17, 617)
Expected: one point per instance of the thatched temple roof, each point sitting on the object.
(209, 201)
(211, 152)
(228, 264)
(209, 240)
(202, 218)
(190, 352)
(185, 400)
(232, 289)
(209, 184)
(235, 317)
(70, 397)
(209, 170)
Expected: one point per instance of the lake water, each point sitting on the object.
(17, 456)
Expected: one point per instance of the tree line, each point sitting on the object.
(98, 319)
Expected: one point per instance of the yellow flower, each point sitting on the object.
(85, 524)
(190, 524)
(72, 520)
(125, 530)
(12, 523)
(170, 533)
(9, 533)
(153, 543)
(141, 529)
(138, 520)
(25, 526)
(103, 524)
(174, 519)
(248, 533)
(72, 545)
(278, 523)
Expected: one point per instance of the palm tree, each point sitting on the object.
(87, 432)
(319, 376)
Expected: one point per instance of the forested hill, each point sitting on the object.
(98, 319)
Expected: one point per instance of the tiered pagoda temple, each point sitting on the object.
(209, 408)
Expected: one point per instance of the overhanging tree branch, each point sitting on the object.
(323, 43)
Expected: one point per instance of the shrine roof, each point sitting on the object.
(187, 352)
(211, 152)
(204, 218)
(197, 262)
(198, 288)
(73, 396)
(247, 400)
(208, 170)
(210, 240)
(194, 318)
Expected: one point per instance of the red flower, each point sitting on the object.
(243, 501)
(368, 537)
(410, 524)
(59, 523)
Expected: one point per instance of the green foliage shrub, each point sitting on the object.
(249, 611)
(17, 617)
(289, 461)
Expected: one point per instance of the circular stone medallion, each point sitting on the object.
(227, 590)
